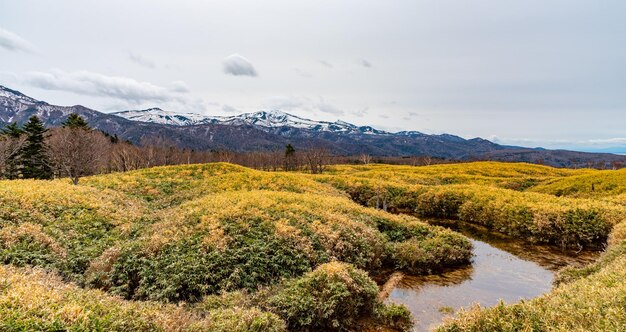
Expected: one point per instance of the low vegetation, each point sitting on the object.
(474, 195)
(34, 300)
(219, 247)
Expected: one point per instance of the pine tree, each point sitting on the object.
(12, 130)
(34, 159)
(290, 157)
(75, 121)
(13, 164)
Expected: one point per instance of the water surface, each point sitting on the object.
(502, 269)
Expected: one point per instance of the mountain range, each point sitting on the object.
(272, 130)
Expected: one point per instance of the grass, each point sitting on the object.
(35, 300)
(238, 240)
(471, 194)
(596, 184)
(219, 247)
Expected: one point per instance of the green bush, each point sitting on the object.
(185, 271)
(332, 297)
(393, 316)
(244, 320)
(431, 254)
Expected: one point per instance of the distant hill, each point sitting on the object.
(272, 130)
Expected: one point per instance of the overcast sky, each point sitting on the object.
(546, 73)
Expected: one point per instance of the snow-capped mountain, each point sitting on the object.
(9, 95)
(17, 107)
(272, 130)
(263, 119)
(157, 115)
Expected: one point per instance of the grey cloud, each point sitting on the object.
(237, 65)
(326, 107)
(95, 84)
(361, 112)
(326, 64)
(141, 60)
(365, 63)
(229, 109)
(179, 86)
(13, 42)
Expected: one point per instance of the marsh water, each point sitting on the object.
(502, 269)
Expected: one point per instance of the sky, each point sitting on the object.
(548, 73)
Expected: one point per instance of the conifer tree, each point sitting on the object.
(290, 157)
(34, 159)
(12, 130)
(75, 121)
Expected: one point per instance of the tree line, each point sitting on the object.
(75, 150)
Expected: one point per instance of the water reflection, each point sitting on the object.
(502, 269)
(550, 257)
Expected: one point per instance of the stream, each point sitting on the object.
(502, 269)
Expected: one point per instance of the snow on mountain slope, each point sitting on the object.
(7, 95)
(264, 119)
(17, 107)
(157, 115)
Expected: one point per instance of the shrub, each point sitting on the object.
(237, 240)
(33, 300)
(244, 320)
(431, 254)
(393, 316)
(332, 297)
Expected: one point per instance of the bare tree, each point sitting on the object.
(225, 156)
(125, 157)
(77, 152)
(317, 159)
(365, 158)
(9, 148)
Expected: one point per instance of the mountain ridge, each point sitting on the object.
(263, 131)
(266, 119)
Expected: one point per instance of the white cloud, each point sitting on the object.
(141, 60)
(96, 84)
(493, 138)
(287, 103)
(561, 143)
(302, 73)
(237, 65)
(13, 42)
(301, 103)
(614, 140)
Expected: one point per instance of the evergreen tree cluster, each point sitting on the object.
(31, 160)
